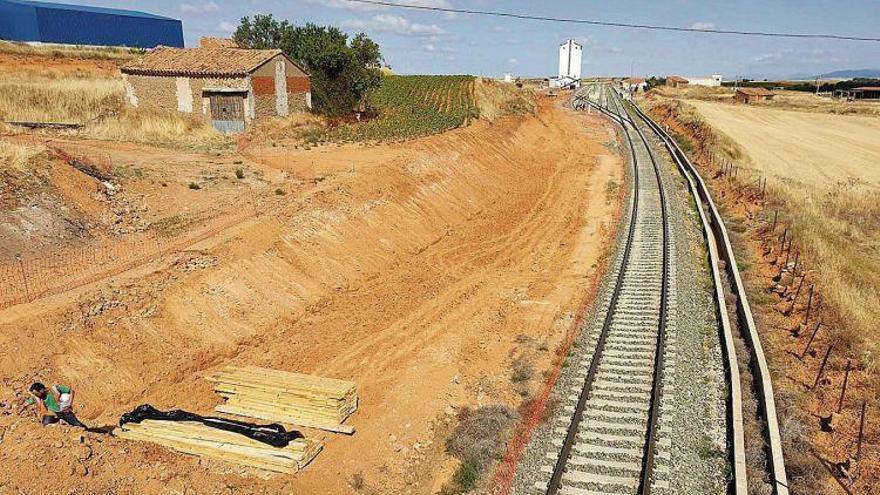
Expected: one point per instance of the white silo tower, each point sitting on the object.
(570, 60)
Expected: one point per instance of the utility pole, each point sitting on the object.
(735, 83)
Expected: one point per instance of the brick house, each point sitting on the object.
(752, 95)
(676, 82)
(227, 85)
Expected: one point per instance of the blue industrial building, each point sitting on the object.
(24, 20)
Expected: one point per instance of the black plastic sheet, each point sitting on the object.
(271, 434)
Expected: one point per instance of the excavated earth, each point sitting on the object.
(419, 270)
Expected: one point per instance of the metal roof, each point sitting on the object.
(86, 8)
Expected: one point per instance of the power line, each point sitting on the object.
(616, 24)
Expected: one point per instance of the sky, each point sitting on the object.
(418, 42)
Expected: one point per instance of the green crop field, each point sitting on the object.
(413, 106)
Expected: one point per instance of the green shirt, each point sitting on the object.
(50, 402)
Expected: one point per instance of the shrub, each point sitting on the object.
(239, 173)
(481, 434)
(465, 478)
(194, 186)
(521, 370)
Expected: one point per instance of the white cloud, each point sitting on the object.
(388, 23)
(497, 29)
(434, 47)
(703, 25)
(226, 26)
(512, 61)
(199, 8)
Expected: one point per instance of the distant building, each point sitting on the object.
(676, 82)
(867, 92)
(860, 93)
(635, 84)
(570, 56)
(229, 86)
(508, 77)
(752, 95)
(55, 23)
(713, 81)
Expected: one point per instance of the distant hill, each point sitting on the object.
(840, 74)
(853, 73)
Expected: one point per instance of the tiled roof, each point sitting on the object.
(754, 91)
(212, 42)
(166, 61)
(676, 79)
(634, 80)
(868, 88)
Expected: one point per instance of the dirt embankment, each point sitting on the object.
(832, 276)
(421, 271)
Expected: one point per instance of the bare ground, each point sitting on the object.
(421, 271)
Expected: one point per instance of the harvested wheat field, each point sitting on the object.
(420, 271)
(813, 149)
(815, 302)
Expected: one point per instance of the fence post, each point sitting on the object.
(809, 305)
(796, 294)
(861, 431)
(812, 336)
(822, 366)
(843, 389)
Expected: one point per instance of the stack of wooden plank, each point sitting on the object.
(201, 440)
(284, 397)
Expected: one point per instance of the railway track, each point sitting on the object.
(611, 434)
(611, 444)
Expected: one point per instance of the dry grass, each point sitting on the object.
(478, 441)
(21, 168)
(21, 158)
(836, 226)
(495, 100)
(98, 103)
(157, 127)
(35, 98)
(120, 54)
(783, 100)
(304, 126)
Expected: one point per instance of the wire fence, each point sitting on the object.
(26, 279)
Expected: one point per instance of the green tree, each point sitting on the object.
(341, 72)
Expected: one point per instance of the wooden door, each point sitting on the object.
(227, 111)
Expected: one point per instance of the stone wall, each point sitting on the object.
(163, 92)
(151, 91)
(298, 102)
(264, 106)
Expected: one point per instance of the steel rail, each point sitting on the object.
(568, 443)
(623, 118)
(719, 237)
(651, 440)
